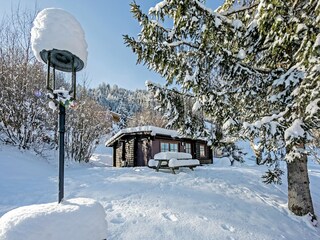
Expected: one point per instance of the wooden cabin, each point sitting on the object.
(135, 146)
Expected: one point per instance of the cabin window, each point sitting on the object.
(202, 151)
(164, 147)
(168, 147)
(188, 147)
(173, 147)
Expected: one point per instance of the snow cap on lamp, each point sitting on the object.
(58, 31)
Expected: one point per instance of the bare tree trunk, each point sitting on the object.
(299, 196)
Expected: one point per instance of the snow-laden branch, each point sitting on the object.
(212, 12)
(241, 9)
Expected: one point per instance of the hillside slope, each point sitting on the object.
(212, 202)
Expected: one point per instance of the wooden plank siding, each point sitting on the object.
(118, 154)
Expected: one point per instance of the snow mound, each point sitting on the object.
(79, 218)
(55, 28)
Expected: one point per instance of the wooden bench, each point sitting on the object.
(172, 161)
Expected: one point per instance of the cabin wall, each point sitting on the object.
(117, 161)
(114, 155)
(130, 150)
(197, 150)
(143, 151)
(123, 155)
(207, 159)
(155, 147)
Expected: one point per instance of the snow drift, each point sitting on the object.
(80, 218)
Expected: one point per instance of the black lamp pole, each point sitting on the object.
(67, 62)
(62, 121)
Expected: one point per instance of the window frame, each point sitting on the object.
(165, 149)
(188, 149)
(171, 148)
(202, 153)
(169, 144)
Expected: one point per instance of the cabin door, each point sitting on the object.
(143, 152)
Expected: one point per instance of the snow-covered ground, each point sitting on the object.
(213, 202)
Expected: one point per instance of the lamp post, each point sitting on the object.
(58, 40)
(67, 62)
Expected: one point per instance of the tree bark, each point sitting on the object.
(299, 196)
(257, 152)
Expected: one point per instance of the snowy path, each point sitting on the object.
(213, 202)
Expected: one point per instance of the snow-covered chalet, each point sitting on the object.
(136, 146)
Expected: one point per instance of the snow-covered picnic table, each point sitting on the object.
(173, 160)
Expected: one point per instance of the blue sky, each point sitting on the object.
(104, 23)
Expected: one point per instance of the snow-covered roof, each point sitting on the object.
(54, 28)
(151, 129)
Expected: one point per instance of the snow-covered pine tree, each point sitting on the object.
(178, 108)
(254, 61)
(185, 114)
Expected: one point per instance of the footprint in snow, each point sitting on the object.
(170, 216)
(228, 228)
(203, 218)
(213, 207)
(118, 220)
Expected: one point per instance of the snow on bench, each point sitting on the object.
(169, 155)
(173, 160)
(173, 163)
